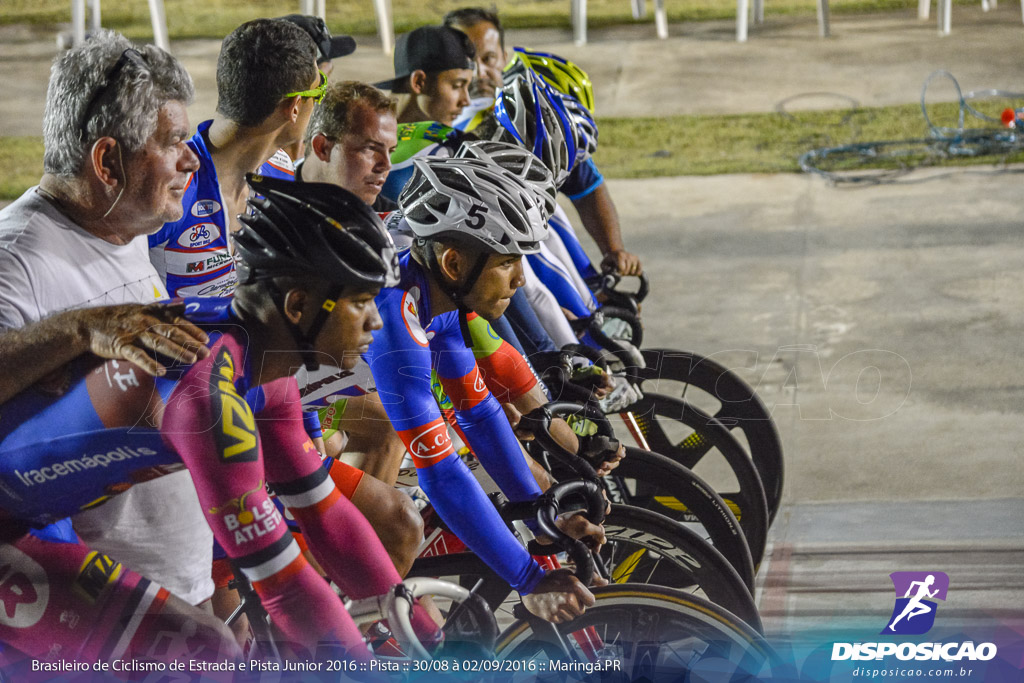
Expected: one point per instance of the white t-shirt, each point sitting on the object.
(47, 265)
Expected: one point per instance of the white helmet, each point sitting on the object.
(519, 162)
(473, 203)
(530, 113)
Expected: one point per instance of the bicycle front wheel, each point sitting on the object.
(645, 631)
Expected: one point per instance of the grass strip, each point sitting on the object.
(216, 18)
(755, 143)
(671, 146)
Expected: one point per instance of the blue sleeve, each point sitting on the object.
(311, 420)
(583, 180)
(563, 289)
(482, 419)
(401, 362)
(528, 328)
(572, 244)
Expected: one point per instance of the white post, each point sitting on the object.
(824, 24)
(305, 6)
(578, 12)
(77, 22)
(758, 11)
(924, 8)
(742, 7)
(94, 15)
(661, 19)
(945, 16)
(321, 9)
(156, 14)
(639, 8)
(384, 26)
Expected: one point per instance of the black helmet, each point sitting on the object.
(314, 230)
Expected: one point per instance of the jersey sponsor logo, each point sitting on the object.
(75, 465)
(218, 260)
(204, 208)
(97, 572)
(254, 522)
(428, 441)
(282, 162)
(235, 433)
(238, 503)
(199, 235)
(223, 285)
(411, 318)
(22, 600)
(124, 379)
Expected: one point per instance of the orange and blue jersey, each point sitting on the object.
(407, 352)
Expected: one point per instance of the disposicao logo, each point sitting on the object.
(914, 614)
(916, 592)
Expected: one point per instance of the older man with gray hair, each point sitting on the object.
(115, 168)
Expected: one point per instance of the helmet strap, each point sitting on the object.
(305, 340)
(458, 293)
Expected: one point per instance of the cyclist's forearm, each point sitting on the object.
(461, 503)
(495, 444)
(30, 353)
(600, 219)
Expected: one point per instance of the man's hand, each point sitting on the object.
(621, 262)
(610, 464)
(559, 597)
(579, 527)
(130, 331)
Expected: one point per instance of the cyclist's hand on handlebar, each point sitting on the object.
(592, 377)
(576, 525)
(621, 262)
(611, 463)
(130, 331)
(514, 418)
(598, 452)
(559, 597)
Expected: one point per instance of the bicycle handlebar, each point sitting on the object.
(606, 287)
(539, 420)
(546, 508)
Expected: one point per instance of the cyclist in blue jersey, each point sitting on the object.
(312, 257)
(262, 105)
(586, 189)
(473, 221)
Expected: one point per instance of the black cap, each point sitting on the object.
(330, 46)
(430, 49)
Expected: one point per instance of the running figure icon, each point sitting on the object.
(915, 607)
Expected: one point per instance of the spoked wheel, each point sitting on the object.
(653, 482)
(645, 547)
(656, 633)
(674, 428)
(714, 390)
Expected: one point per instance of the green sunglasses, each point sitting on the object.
(316, 93)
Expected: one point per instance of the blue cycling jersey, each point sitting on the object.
(192, 254)
(411, 344)
(584, 179)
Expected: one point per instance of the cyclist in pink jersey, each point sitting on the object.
(312, 258)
